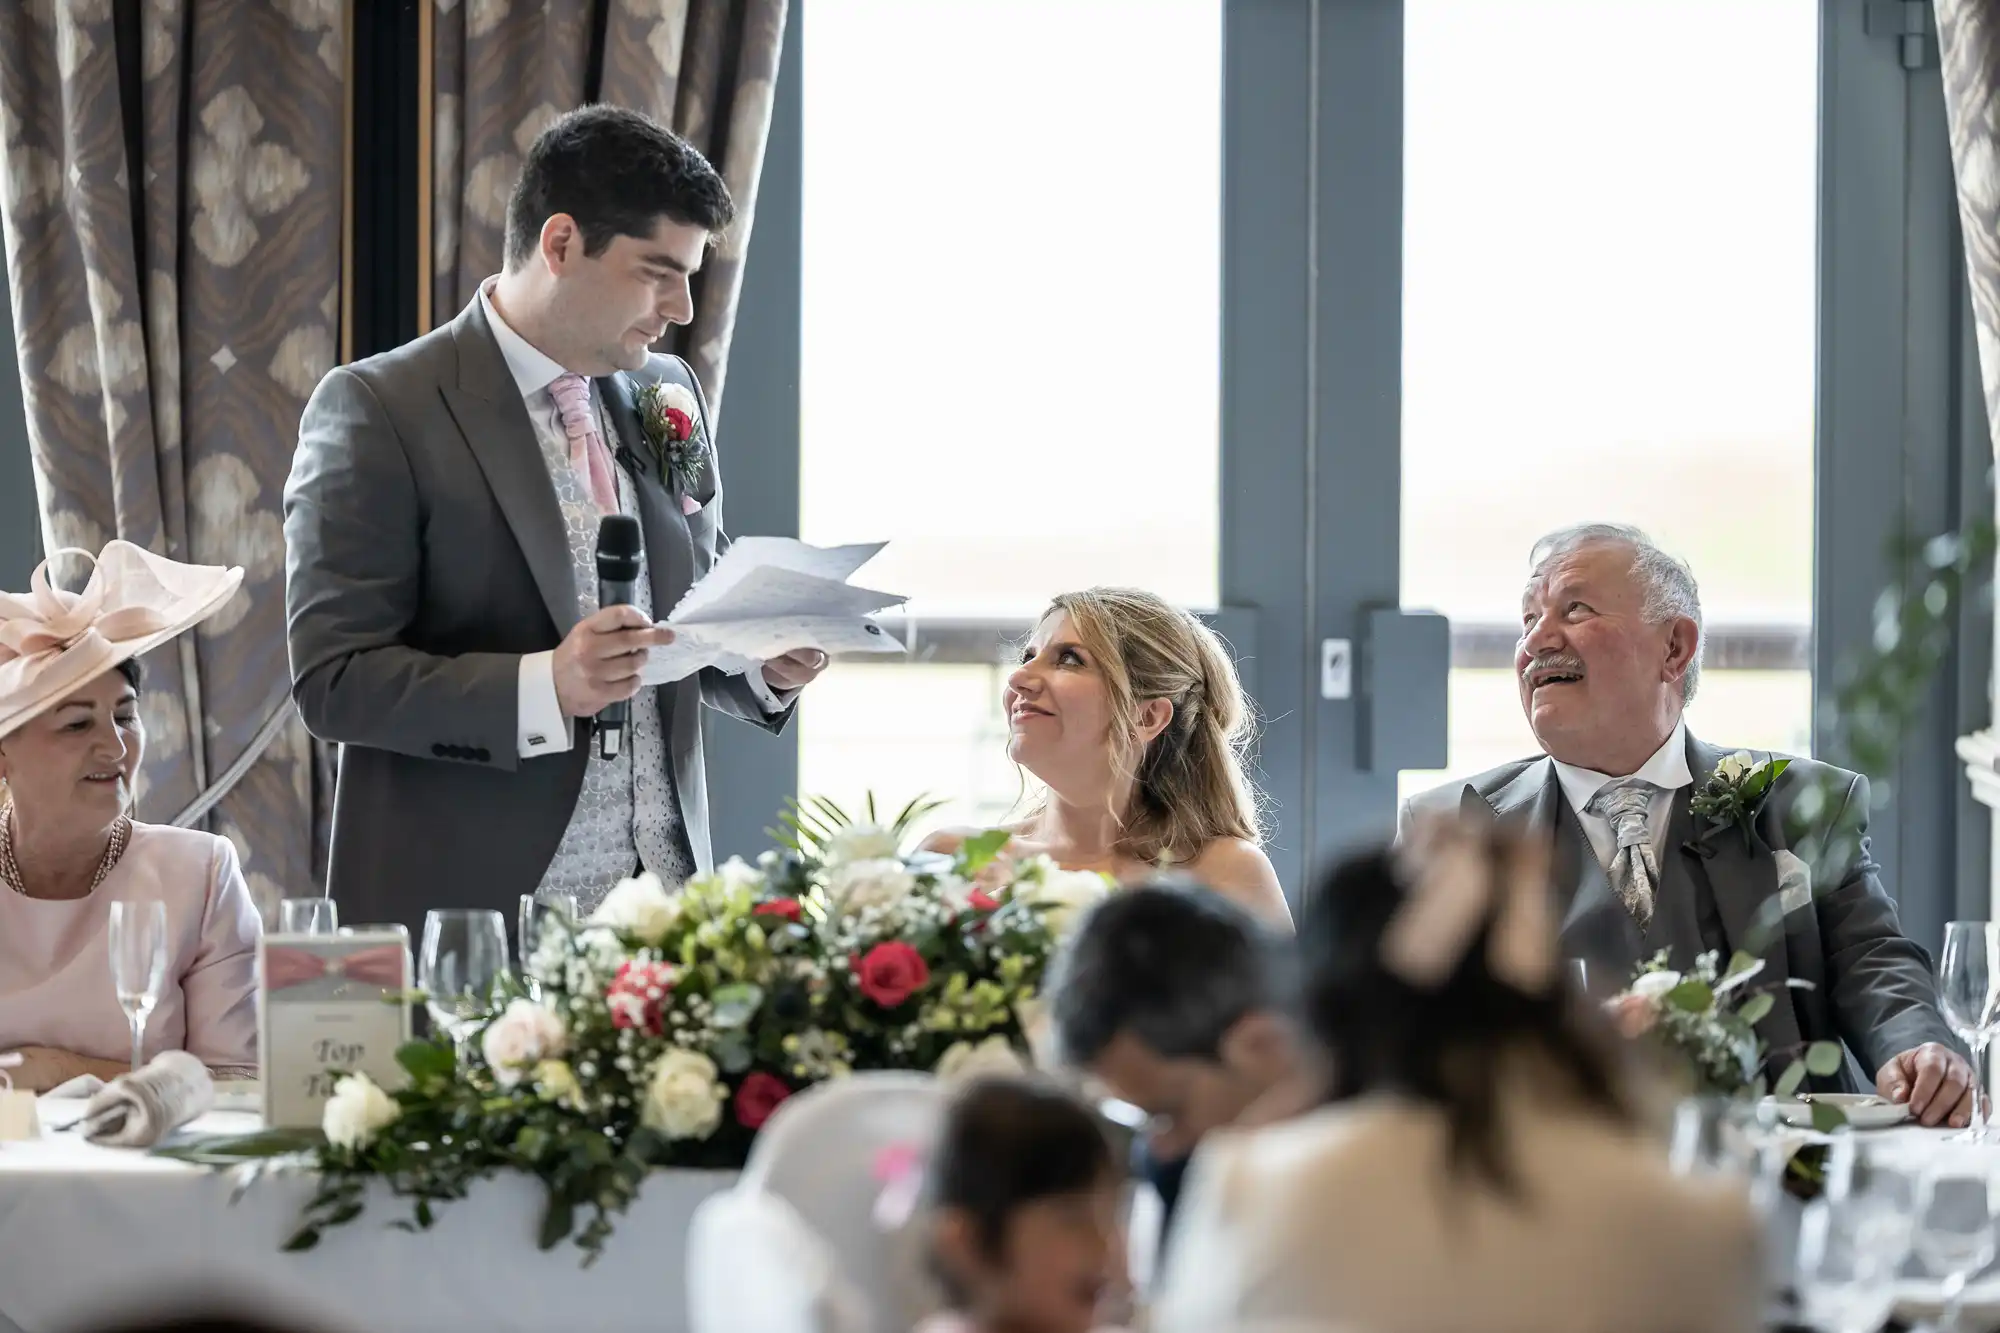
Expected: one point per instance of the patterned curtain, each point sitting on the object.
(172, 211)
(1969, 41)
(504, 70)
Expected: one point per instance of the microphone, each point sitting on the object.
(618, 545)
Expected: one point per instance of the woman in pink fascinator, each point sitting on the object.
(70, 746)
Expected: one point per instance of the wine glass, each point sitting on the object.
(308, 916)
(465, 953)
(1953, 1233)
(1968, 988)
(536, 909)
(138, 963)
(1849, 1255)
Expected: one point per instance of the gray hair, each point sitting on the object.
(1667, 582)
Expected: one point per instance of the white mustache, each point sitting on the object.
(1553, 662)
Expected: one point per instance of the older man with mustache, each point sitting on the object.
(1609, 657)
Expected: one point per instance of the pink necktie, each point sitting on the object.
(587, 453)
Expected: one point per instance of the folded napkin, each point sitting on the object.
(139, 1109)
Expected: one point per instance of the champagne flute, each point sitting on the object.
(138, 964)
(465, 954)
(1953, 1234)
(308, 916)
(1968, 987)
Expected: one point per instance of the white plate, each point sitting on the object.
(1863, 1110)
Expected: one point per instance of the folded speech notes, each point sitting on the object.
(767, 596)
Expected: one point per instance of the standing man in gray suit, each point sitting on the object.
(1610, 655)
(441, 523)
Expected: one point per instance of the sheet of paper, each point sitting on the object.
(767, 596)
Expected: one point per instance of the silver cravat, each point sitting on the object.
(1635, 870)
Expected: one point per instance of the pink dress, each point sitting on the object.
(55, 958)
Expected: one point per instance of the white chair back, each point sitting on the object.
(818, 1156)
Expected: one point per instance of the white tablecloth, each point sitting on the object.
(88, 1232)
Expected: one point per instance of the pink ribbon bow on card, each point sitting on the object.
(379, 966)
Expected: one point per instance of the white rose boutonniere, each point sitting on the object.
(683, 1098)
(640, 907)
(522, 1037)
(357, 1112)
(1734, 793)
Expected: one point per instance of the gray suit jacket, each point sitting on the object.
(425, 556)
(1872, 987)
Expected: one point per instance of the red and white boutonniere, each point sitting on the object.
(670, 419)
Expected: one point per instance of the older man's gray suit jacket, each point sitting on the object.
(425, 556)
(1871, 986)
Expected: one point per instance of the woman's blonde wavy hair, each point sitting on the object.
(1190, 785)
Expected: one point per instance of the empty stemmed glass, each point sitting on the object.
(1953, 1232)
(536, 912)
(1850, 1252)
(1969, 990)
(465, 954)
(308, 916)
(138, 964)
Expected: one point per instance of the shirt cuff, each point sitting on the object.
(774, 701)
(542, 727)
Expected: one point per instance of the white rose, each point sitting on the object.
(874, 883)
(357, 1112)
(995, 1057)
(680, 398)
(683, 1098)
(861, 842)
(1733, 767)
(1653, 985)
(640, 907)
(1065, 893)
(523, 1036)
(737, 874)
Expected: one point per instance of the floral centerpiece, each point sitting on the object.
(665, 1029)
(1705, 1021)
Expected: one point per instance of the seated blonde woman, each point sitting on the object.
(70, 746)
(1128, 711)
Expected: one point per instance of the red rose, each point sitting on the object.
(787, 908)
(891, 973)
(637, 996)
(760, 1095)
(679, 424)
(983, 900)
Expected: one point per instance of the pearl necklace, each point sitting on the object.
(10, 869)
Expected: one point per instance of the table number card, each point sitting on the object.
(321, 1007)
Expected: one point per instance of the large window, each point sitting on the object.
(1608, 314)
(1010, 332)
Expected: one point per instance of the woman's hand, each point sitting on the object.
(45, 1067)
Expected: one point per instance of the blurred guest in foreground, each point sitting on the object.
(1478, 1163)
(70, 747)
(1023, 1195)
(1179, 1002)
(1127, 709)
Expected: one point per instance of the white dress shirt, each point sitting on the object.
(541, 726)
(1667, 770)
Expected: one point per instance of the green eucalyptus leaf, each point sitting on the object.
(1788, 1082)
(1739, 963)
(1827, 1118)
(1693, 996)
(426, 1060)
(1755, 1008)
(302, 1240)
(1824, 1058)
(735, 1005)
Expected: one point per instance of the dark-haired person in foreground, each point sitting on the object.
(1178, 1000)
(441, 523)
(1478, 1163)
